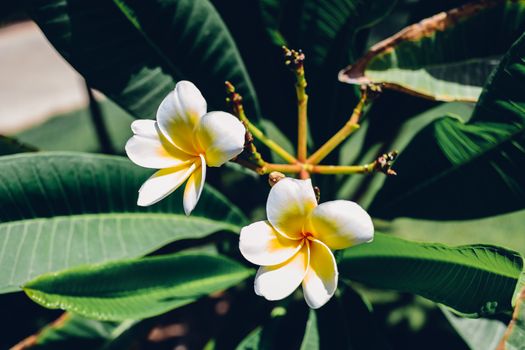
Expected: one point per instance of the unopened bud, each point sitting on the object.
(275, 177)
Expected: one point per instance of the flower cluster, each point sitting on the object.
(294, 246)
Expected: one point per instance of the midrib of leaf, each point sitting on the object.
(202, 282)
(422, 257)
(457, 167)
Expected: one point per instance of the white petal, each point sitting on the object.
(341, 224)
(289, 205)
(221, 137)
(194, 187)
(320, 282)
(279, 281)
(260, 244)
(179, 114)
(149, 149)
(163, 183)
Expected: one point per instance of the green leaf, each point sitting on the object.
(474, 280)
(12, 146)
(273, 132)
(514, 336)
(59, 210)
(135, 289)
(478, 334)
(80, 135)
(283, 330)
(73, 331)
(134, 52)
(447, 57)
(456, 170)
(502, 230)
(311, 339)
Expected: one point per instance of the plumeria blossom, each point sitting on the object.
(294, 245)
(181, 142)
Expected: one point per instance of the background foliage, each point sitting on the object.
(72, 237)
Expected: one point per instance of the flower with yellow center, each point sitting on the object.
(294, 245)
(181, 142)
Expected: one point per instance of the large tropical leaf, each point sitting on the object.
(447, 57)
(503, 230)
(59, 210)
(474, 280)
(135, 57)
(135, 289)
(456, 170)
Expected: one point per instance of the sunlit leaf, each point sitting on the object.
(135, 289)
(59, 210)
(447, 57)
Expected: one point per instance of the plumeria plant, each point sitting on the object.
(381, 174)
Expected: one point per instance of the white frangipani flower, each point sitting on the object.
(294, 245)
(181, 142)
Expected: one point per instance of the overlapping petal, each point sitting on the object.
(279, 281)
(163, 183)
(320, 281)
(340, 224)
(194, 186)
(150, 149)
(221, 137)
(179, 114)
(260, 244)
(289, 205)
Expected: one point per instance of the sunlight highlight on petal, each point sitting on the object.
(320, 282)
(194, 187)
(341, 224)
(289, 204)
(221, 137)
(260, 244)
(163, 183)
(149, 149)
(279, 281)
(179, 114)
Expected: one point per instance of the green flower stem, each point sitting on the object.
(341, 135)
(342, 169)
(236, 100)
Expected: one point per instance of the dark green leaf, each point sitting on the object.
(135, 289)
(131, 50)
(455, 170)
(447, 57)
(59, 210)
(474, 280)
(11, 146)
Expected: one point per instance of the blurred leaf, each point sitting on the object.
(453, 170)
(273, 132)
(135, 289)
(59, 210)
(130, 50)
(12, 146)
(73, 131)
(284, 330)
(514, 337)
(479, 334)
(447, 57)
(311, 339)
(503, 230)
(475, 280)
